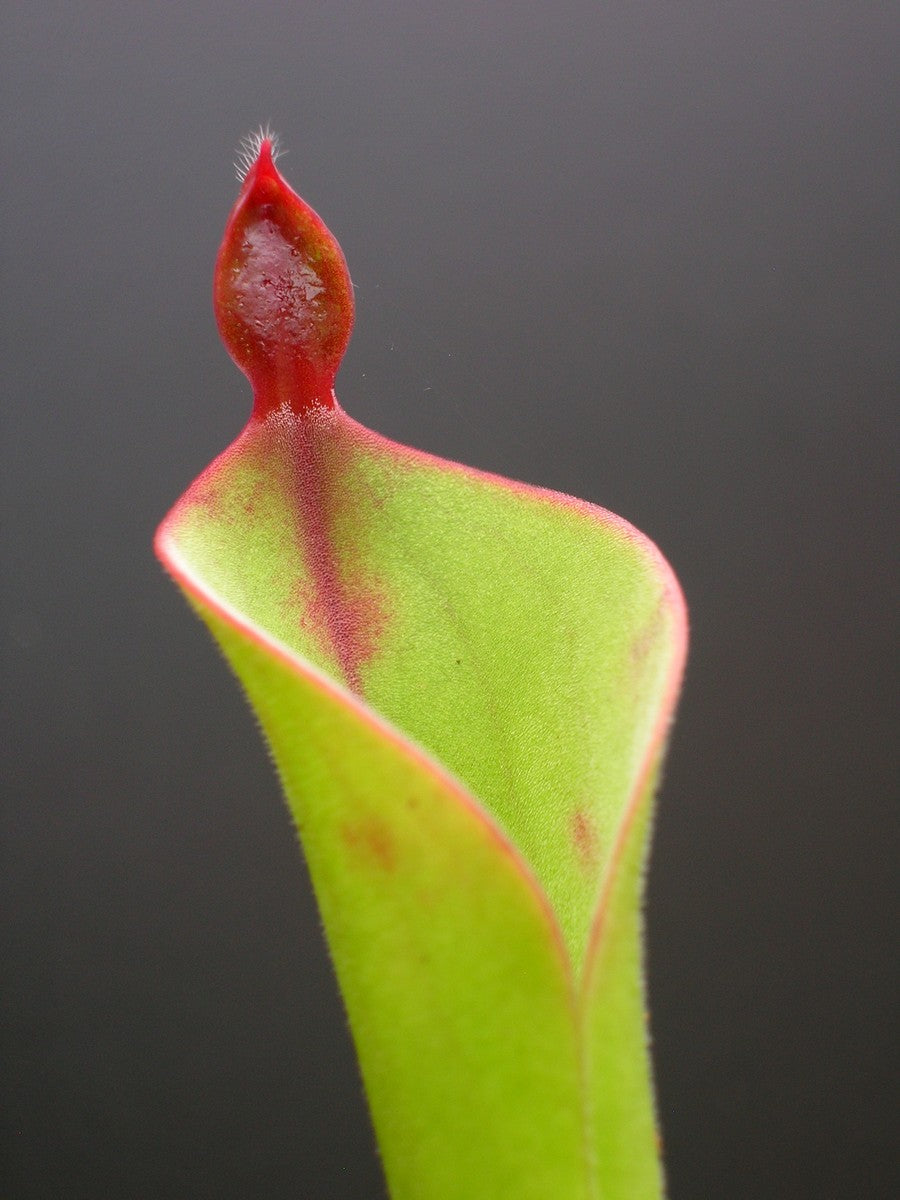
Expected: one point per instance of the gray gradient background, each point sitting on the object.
(640, 252)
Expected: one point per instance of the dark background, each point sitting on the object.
(640, 252)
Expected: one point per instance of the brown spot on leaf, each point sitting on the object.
(646, 638)
(583, 833)
(371, 841)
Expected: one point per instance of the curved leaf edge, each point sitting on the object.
(580, 978)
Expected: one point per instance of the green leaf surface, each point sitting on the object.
(466, 685)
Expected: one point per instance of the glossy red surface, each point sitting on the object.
(282, 293)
